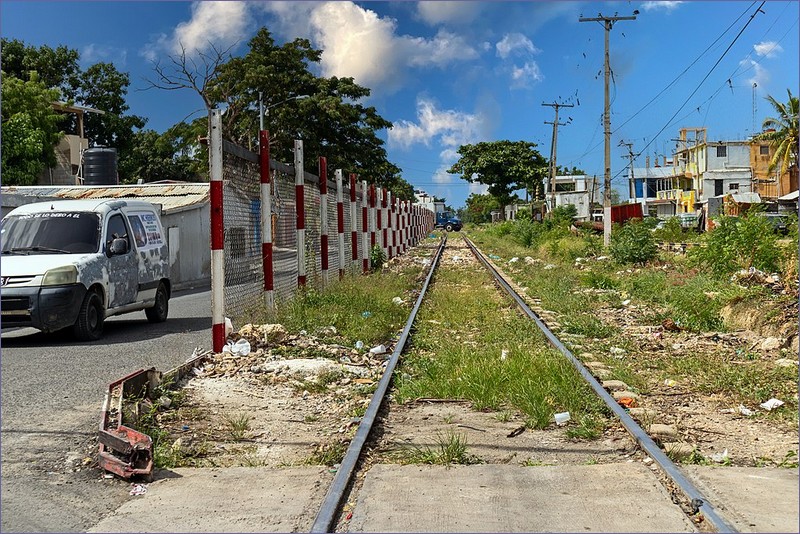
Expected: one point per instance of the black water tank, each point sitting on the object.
(100, 166)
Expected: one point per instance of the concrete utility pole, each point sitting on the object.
(631, 157)
(608, 23)
(553, 145)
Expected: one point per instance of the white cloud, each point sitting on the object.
(444, 12)
(667, 6)
(515, 42)
(220, 24)
(760, 74)
(769, 49)
(526, 75)
(453, 128)
(92, 53)
(358, 43)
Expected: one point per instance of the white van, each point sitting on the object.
(72, 263)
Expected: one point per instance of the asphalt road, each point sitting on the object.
(52, 388)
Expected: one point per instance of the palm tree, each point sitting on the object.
(784, 132)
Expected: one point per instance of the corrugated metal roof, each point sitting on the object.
(172, 197)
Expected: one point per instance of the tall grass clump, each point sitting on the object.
(739, 243)
(633, 243)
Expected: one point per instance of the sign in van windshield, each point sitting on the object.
(53, 215)
(146, 231)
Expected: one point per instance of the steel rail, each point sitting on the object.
(327, 513)
(698, 500)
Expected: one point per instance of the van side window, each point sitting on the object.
(117, 228)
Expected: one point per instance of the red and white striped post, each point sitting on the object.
(364, 227)
(385, 211)
(353, 220)
(340, 221)
(373, 216)
(217, 234)
(266, 220)
(379, 223)
(392, 227)
(404, 225)
(323, 215)
(299, 199)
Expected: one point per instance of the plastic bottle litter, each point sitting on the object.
(562, 418)
(771, 404)
(359, 345)
(744, 410)
(228, 327)
(513, 260)
(380, 349)
(503, 354)
(398, 301)
(366, 314)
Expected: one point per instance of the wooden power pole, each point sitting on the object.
(608, 23)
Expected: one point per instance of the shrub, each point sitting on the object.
(377, 257)
(671, 232)
(739, 243)
(633, 243)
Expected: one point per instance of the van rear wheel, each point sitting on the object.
(89, 325)
(158, 312)
(449, 227)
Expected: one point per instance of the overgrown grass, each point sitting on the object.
(533, 378)
(450, 448)
(360, 307)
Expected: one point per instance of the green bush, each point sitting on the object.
(739, 243)
(633, 243)
(377, 257)
(672, 231)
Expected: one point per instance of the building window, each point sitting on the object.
(763, 150)
(722, 151)
(733, 187)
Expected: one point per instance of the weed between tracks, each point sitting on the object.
(472, 343)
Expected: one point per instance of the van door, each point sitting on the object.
(123, 269)
(151, 251)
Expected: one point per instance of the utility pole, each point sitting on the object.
(553, 145)
(608, 23)
(631, 157)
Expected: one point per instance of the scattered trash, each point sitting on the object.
(380, 349)
(728, 410)
(602, 258)
(366, 314)
(359, 345)
(670, 383)
(398, 301)
(670, 325)
(627, 402)
(647, 461)
(349, 516)
(785, 362)
(494, 257)
(529, 260)
(562, 418)
(626, 302)
(516, 432)
(165, 402)
(744, 410)
(108, 476)
(503, 354)
(138, 489)
(228, 327)
(719, 457)
(617, 352)
(240, 348)
(771, 404)
(185, 428)
(513, 260)
(549, 267)
(432, 236)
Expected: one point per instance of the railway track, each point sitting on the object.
(340, 497)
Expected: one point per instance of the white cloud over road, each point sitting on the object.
(768, 49)
(517, 45)
(666, 6)
(515, 42)
(448, 12)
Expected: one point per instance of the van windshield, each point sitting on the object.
(51, 232)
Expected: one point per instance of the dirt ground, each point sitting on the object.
(296, 399)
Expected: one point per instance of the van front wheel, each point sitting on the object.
(158, 312)
(89, 325)
(449, 227)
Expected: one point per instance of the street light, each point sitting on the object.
(263, 110)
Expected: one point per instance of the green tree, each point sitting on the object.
(479, 208)
(504, 166)
(55, 67)
(166, 156)
(784, 137)
(30, 129)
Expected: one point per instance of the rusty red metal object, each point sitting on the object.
(123, 450)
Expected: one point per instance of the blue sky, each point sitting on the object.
(451, 73)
